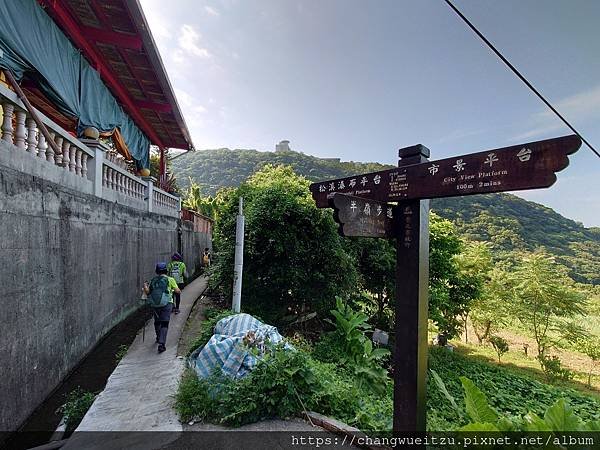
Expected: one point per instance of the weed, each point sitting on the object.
(76, 405)
(121, 352)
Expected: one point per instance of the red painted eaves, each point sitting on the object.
(59, 12)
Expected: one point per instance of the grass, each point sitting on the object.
(510, 391)
(516, 360)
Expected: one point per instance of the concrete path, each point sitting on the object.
(135, 409)
(139, 394)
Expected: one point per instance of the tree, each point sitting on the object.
(171, 183)
(499, 344)
(543, 298)
(474, 263)
(455, 279)
(490, 311)
(376, 264)
(294, 260)
(590, 346)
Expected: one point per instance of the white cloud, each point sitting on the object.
(189, 40)
(212, 11)
(575, 108)
(156, 20)
(188, 103)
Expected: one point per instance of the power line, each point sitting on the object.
(517, 73)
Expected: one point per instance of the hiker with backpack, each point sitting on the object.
(177, 270)
(206, 258)
(160, 298)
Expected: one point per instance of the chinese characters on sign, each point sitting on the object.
(361, 208)
(528, 166)
(360, 217)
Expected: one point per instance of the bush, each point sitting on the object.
(553, 368)
(76, 405)
(358, 353)
(283, 384)
(499, 344)
(294, 258)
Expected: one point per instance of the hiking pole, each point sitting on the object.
(144, 297)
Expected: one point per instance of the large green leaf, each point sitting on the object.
(478, 426)
(561, 417)
(592, 425)
(442, 387)
(532, 422)
(379, 353)
(476, 403)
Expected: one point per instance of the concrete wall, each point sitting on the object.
(71, 267)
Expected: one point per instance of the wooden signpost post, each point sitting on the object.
(362, 209)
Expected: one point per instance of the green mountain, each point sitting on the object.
(506, 221)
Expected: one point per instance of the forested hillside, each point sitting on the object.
(223, 167)
(506, 221)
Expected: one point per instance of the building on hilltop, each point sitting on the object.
(283, 146)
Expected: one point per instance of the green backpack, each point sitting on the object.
(159, 292)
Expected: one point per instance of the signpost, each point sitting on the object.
(362, 209)
(524, 166)
(362, 217)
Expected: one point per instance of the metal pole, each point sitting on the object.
(239, 259)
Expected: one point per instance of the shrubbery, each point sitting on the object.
(294, 260)
(286, 382)
(283, 384)
(76, 405)
(482, 417)
(508, 393)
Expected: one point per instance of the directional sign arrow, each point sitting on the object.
(361, 217)
(524, 166)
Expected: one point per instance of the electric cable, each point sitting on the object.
(518, 74)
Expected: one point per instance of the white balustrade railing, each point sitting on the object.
(122, 181)
(165, 201)
(108, 174)
(19, 128)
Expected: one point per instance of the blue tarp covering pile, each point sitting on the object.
(31, 43)
(230, 347)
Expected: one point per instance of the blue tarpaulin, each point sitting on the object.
(31, 43)
(230, 347)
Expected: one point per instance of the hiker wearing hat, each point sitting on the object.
(160, 298)
(178, 271)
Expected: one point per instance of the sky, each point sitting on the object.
(360, 79)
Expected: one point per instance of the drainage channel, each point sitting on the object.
(90, 375)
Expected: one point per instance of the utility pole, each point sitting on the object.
(239, 259)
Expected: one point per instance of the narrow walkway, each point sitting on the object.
(139, 394)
